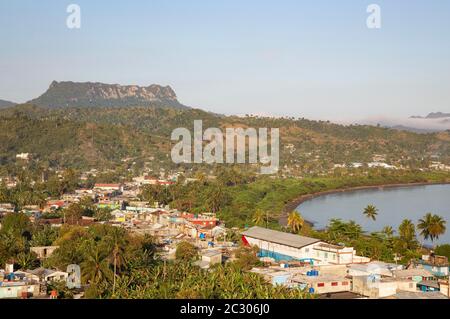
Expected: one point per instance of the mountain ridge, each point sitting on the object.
(432, 115)
(6, 104)
(97, 94)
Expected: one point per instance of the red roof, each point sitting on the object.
(165, 183)
(58, 203)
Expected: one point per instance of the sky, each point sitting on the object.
(314, 59)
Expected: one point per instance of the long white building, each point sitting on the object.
(286, 246)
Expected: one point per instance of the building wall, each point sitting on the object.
(44, 252)
(307, 252)
(214, 259)
(16, 291)
(437, 270)
(379, 289)
(332, 286)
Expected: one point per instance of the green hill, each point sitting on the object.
(104, 136)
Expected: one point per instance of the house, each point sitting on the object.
(315, 282)
(118, 216)
(23, 156)
(437, 265)
(108, 187)
(212, 257)
(444, 287)
(373, 268)
(284, 246)
(415, 274)
(428, 285)
(6, 208)
(43, 252)
(274, 275)
(54, 204)
(114, 188)
(18, 289)
(204, 222)
(377, 287)
(416, 295)
(48, 275)
(209, 258)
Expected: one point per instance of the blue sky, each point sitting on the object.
(315, 59)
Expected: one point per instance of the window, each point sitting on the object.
(320, 284)
(345, 283)
(326, 255)
(334, 284)
(306, 250)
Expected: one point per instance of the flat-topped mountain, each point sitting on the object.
(88, 94)
(5, 104)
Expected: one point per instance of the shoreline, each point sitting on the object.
(292, 205)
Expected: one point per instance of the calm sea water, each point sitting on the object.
(394, 204)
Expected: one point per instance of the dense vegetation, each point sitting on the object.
(117, 264)
(101, 136)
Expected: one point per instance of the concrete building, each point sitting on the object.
(43, 252)
(109, 187)
(416, 275)
(322, 283)
(437, 265)
(212, 257)
(276, 276)
(48, 275)
(284, 246)
(18, 289)
(378, 287)
(373, 268)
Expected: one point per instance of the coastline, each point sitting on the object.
(289, 207)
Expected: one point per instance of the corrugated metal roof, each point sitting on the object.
(278, 237)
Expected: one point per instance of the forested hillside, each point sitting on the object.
(104, 136)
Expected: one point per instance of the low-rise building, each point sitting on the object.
(43, 252)
(315, 282)
(284, 246)
(378, 287)
(18, 289)
(437, 265)
(414, 274)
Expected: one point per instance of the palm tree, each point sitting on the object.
(295, 221)
(407, 232)
(26, 260)
(118, 251)
(96, 265)
(371, 212)
(431, 226)
(388, 231)
(258, 217)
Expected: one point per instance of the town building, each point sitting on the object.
(437, 265)
(379, 287)
(43, 252)
(284, 246)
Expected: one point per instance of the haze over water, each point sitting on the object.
(394, 204)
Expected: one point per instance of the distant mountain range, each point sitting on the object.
(5, 104)
(88, 94)
(436, 115)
